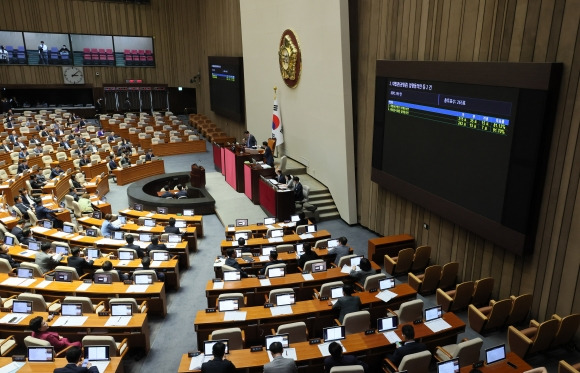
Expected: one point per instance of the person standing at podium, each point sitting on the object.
(249, 140)
(268, 156)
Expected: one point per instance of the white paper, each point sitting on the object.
(149, 215)
(59, 234)
(265, 282)
(70, 321)
(345, 269)
(26, 253)
(323, 347)
(231, 229)
(437, 325)
(14, 367)
(270, 226)
(13, 281)
(125, 211)
(171, 245)
(156, 263)
(264, 258)
(123, 262)
(28, 282)
(281, 310)
(39, 229)
(144, 228)
(101, 364)
(386, 295)
(306, 236)
(195, 363)
(289, 353)
(43, 284)
(392, 337)
(18, 317)
(235, 316)
(118, 321)
(307, 277)
(107, 241)
(137, 289)
(218, 285)
(234, 243)
(84, 286)
(82, 219)
(275, 239)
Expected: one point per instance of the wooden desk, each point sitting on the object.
(388, 245)
(64, 165)
(255, 291)
(58, 188)
(114, 366)
(252, 175)
(154, 294)
(93, 171)
(261, 229)
(316, 313)
(279, 203)
(8, 220)
(173, 148)
(11, 186)
(138, 172)
(372, 346)
(196, 220)
(137, 331)
(502, 366)
(98, 185)
(287, 239)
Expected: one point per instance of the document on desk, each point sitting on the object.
(6, 219)
(264, 258)
(235, 316)
(171, 245)
(70, 321)
(306, 236)
(123, 262)
(84, 286)
(13, 318)
(307, 277)
(156, 263)
(137, 289)
(386, 295)
(265, 282)
(26, 253)
(218, 285)
(392, 337)
(118, 321)
(83, 218)
(195, 363)
(59, 234)
(13, 281)
(107, 241)
(101, 364)
(28, 282)
(275, 239)
(270, 226)
(289, 353)
(437, 325)
(231, 229)
(144, 228)
(125, 211)
(12, 367)
(43, 284)
(234, 243)
(323, 347)
(281, 310)
(39, 229)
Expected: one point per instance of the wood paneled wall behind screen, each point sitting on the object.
(481, 30)
(185, 32)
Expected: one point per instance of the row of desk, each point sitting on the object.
(291, 238)
(139, 171)
(115, 365)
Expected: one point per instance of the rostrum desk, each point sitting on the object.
(373, 346)
(316, 313)
(137, 172)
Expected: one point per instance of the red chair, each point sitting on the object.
(128, 60)
(148, 52)
(150, 61)
(108, 51)
(110, 59)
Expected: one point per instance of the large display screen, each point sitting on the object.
(226, 87)
(463, 144)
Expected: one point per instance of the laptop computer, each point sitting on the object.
(97, 215)
(299, 249)
(336, 292)
(97, 353)
(449, 366)
(68, 229)
(275, 233)
(122, 219)
(47, 224)
(285, 299)
(40, 354)
(241, 222)
(266, 250)
(208, 348)
(244, 235)
(311, 228)
(433, 313)
(228, 305)
(188, 212)
(121, 309)
(319, 267)
(62, 276)
(387, 283)
(385, 324)
(276, 272)
(62, 250)
(333, 333)
(332, 243)
(295, 218)
(93, 253)
(145, 237)
(24, 272)
(232, 276)
(174, 238)
(34, 245)
(160, 256)
(180, 224)
(268, 221)
(149, 222)
(103, 278)
(162, 210)
(71, 309)
(118, 235)
(495, 354)
(138, 207)
(91, 232)
(126, 255)
(283, 338)
(355, 260)
(21, 306)
(9, 241)
(143, 279)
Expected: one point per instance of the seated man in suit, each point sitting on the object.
(155, 245)
(78, 263)
(279, 363)
(56, 171)
(21, 207)
(108, 267)
(74, 363)
(35, 183)
(23, 154)
(166, 192)
(43, 213)
(112, 164)
(268, 156)
(17, 230)
(409, 345)
(130, 245)
(298, 191)
(336, 358)
(279, 177)
(111, 137)
(38, 149)
(26, 199)
(45, 260)
(347, 303)
(170, 227)
(181, 192)
(149, 155)
(273, 260)
(307, 256)
(85, 160)
(232, 262)
(249, 140)
(146, 263)
(23, 166)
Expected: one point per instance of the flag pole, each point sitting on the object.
(276, 148)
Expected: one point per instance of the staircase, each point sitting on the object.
(319, 194)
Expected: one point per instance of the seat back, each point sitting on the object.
(468, 351)
(35, 342)
(356, 322)
(38, 303)
(325, 288)
(233, 335)
(87, 305)
(283, 161)
(345, 260)
(297, 331)
(463, 294)
(114, 274)
(430, 279)
(5, 266)
(321, 243)
(482, 291)
(301, 229)
(421, 258)
(131, 301)
(36, 271)
(566, 329)
(71, 270)
(521, 306)
(239, 296)
(410, 311)
(545, 335)
(308, 264)
(499, 313)
(274, 292)
(102, 340)
(68, 200)
(448, 275)
(279, 265)
(284, 248)
(372, 281)
(416, 363)
(403, 262)
(347, 369)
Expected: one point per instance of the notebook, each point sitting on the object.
(21, 306)
(244, 235)
(62, 250)
(98, 356)
(228, 305)
(283, 338)
(174, 238)
(62, 276)
(276, 272)
(449, 366)
(138, 207)
(91, 232)
(355, 260)
(121, 309)
(433, 313)
(71, 309)
(180, 224)
(311, 228)
(47, 224)
(122, 219)
(241, 222)
(9, 241)
(232, 276)
(495, 354)
(93, 253)
(334, 333)
(285, 299)
(266, 250)
(268, 221)
(336, 292)
(149, 222)
(97, 215)
(68, 229)
(160, 256)
(332, 243)
(103, 278)
(143, 279)
(295, 218)
(40, 354)
(385, 324)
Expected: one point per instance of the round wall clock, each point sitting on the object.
(73, 75)
(290, 58)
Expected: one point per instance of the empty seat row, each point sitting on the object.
(408, 260)
(477, 293)
(435, 276)
(497, 314)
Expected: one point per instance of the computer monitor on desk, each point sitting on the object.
(334, 333)
(241, 222)
(275, 233)
(495, 354)
(449, 366)
(232, 276)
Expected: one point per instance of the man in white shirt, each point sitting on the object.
(42, 54)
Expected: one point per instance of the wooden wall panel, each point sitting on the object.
(484, 30)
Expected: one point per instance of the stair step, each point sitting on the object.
(322, 202)
(329, 208)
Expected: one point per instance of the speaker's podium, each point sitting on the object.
(197, 176)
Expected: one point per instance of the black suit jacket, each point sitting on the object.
(79, 264)
(73, 368)
(170, 229)
(408, 348)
